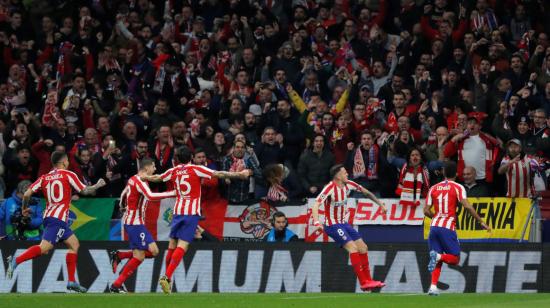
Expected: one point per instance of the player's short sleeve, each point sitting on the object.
(352, 185)
(460, 192)
(37, 184)
(203, 172)
(325, 193)
(167, 175)
(75, 181)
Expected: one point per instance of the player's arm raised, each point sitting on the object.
(89, 190)
(466, 204)
(244, 174)
(156, 178)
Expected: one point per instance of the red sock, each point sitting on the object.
(175, 261)
(127, 272)
(357, 268)
(149, 255)
(365, 262)
(436, 273)
(71, 265)
(125, 254)
(31, 253)
(450, 259)
(169, 253)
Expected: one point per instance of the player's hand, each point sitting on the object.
(384, 208)
(100, 183)
(318, 226)
(486, 227)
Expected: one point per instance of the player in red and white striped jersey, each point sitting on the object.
(137, 195)
(443, 242)
(333, 199)
(186, 178)
(519, 171)
(57, 186)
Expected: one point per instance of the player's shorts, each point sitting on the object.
(184, 227)
(342, 233)
(444, 240)
(139, 237)
(55, 230)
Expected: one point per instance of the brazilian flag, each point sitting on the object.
(90, 218)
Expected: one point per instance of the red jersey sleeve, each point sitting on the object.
(352, 185)
(37, 184)
(460, 192)
(75, 181)
(325, 193)
(167, 175)
(203, 172)
(429, 200)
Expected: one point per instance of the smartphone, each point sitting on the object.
(112, 144)
(21, 110)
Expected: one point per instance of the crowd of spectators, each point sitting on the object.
(286, 88)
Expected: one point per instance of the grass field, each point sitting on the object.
(300, 300)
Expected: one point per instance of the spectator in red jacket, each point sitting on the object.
(42, 150)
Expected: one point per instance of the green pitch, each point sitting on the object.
(333, 300)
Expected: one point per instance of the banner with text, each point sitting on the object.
(290, 267)
(506, 217)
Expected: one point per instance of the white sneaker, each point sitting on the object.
(433, 291)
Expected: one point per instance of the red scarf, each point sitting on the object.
(359, 168)
(163, 156)
(277, 193)
(237, 164)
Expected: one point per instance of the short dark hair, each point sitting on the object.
(144, 162)
(57, 156)
(449, 169)
(277, 215)
(184, 154)
(198, 150)
(335, 169)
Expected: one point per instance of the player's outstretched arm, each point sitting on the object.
(371, 196)
(88, 190)
(156, 178)
(466, 204)
(244, 174)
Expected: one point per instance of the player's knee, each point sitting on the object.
(154, 251)
(45, 248)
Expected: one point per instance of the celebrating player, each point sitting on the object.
(443, 242)
(56, 187)
(137, 194)
(186, 178)
(334, 199)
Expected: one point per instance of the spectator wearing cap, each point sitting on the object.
(251, 128)
(519, 169)
(31, 218)
(474, 148)
(474, 189)
(314, 165)
(238, 190)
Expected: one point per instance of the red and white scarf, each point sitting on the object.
(237, 164)
(414, 183)
(359, 168)
(277, 193)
